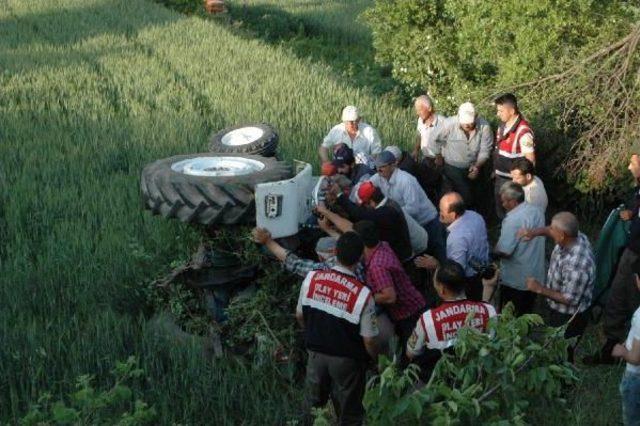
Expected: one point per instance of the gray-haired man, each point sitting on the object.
(571, 275)
(520, 258)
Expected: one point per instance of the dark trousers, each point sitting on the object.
(456, 179)
(342, 379)
(437, 245)
(523, 300)
(624, 298)
(474, 288)
(430, 178)
(497, 184)
(576, 328)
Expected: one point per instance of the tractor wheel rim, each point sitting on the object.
(242, 136)
(217, 166)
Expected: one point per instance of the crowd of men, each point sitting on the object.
(406, 253)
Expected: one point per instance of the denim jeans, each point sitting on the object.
(630, 392)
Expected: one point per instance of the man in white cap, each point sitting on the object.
(352, 132)
(465, 142)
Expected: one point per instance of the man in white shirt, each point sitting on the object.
(430, 169)
(523, 173)
(352, 132)
(630, 352)
(405, 190)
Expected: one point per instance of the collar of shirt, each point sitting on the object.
(394, 176)
(358, 133)
(434, 121)
(516, 209)
(343, 269)
(456, 223)
(457, 299)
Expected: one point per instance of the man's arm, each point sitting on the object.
(369, 328)
(413, 197)
(343, 225)
(263, 236)
(323, 153)
(531, 157)
(371, 346)
(486, 145)
(387, 296)
(508, 240)
(529, 234)
(417, 341)
(535, 287)
(631, 356)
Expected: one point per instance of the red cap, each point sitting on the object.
(328, 169)
(365, 191)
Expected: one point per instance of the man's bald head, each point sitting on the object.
(451, 207)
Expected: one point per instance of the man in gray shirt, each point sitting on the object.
(465, 142)
(520, 258)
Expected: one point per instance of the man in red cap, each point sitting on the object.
(377, 208)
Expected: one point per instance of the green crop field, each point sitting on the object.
(91, 91)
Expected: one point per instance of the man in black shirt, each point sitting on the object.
(624, 298)
(390, 222)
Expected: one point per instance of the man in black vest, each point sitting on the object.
(337, 314)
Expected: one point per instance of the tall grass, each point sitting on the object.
(91, 91)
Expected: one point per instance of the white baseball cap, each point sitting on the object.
(350, 113)
(467, 113)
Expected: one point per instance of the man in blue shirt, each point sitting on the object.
(467, 242)
(520, 259)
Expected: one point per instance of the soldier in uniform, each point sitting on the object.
(337, 313)
(437, 328)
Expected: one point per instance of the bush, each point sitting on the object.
(459, 49)
(491, 378)
(116, 405)
(471, 50)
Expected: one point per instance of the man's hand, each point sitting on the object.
(325, 224)
(525, 234)
(626, 215)
(261, 235)
(439, 160)
(321, 208)
(415, 155)
(533, 285)
(426, 262)
(619, 351)
(474, 171)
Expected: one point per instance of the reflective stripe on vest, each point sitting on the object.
(336, 294)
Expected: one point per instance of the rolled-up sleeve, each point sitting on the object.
(508, 238)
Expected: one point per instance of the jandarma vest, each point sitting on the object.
(332, 305)
(508, 147)
(441, 324)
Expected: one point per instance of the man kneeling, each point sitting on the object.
(437, 329)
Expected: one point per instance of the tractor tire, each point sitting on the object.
(249, 139)
(210, 189)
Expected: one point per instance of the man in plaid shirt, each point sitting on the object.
(389, 283)
(571, 275)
